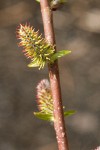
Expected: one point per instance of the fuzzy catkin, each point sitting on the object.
(35, 47)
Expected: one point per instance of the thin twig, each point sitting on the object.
(59, 123)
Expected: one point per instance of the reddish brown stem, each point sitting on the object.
(59, 123)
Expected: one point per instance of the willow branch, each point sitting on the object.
(59, 123)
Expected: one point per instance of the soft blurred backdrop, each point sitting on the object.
(77, 28)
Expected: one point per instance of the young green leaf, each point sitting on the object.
(60, 54)
(43, 116)
(69, 112)
(49, 117)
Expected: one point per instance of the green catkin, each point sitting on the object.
(35, 47)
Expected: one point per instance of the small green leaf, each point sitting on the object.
(69, 112)
(59, 54)
(43, 116)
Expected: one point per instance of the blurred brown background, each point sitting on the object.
(77, 27)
